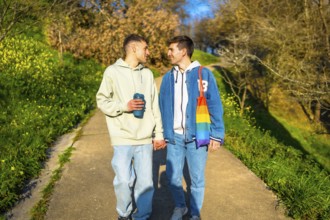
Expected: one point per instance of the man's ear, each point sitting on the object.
(133, 46)
(184, 52)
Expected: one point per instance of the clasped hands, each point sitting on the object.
(159, 144)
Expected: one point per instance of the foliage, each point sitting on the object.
(98, 30)
(45, 98)
(15, 12)
(315, 145)
(296, 178)
(204, 58)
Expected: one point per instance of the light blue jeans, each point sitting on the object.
(133, 164)
(196, 160)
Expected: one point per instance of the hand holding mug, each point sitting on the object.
(135, 104)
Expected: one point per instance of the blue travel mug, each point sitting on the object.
(139, 113)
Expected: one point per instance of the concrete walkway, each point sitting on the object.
(85, 191)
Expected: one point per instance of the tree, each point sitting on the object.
(97, 29)
(201, 34)
(14, 12)
(284, 38)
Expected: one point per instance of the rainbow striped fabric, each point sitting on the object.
(202, 123)
(203, 120)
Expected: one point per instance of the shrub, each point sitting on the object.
(45, 98)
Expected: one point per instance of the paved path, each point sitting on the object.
(85, 191)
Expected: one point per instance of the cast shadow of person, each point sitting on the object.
(163, 203)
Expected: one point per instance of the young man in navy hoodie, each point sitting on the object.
(178, 100)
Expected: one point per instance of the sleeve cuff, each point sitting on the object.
(159, 136)
(222, 141)
(123, 107)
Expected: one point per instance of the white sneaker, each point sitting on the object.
(178, 213)
(195, 218)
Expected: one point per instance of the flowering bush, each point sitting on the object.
(45, 97)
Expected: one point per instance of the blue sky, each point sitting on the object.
(197, 9)
(200, 8)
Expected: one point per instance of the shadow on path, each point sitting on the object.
(163, 203)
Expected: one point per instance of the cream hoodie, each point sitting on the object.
(117, 88)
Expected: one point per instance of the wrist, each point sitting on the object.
(220, 140)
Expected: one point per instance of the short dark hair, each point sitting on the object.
(133, 38)
(183, 42)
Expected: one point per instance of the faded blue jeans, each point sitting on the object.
(133, 163)
(196, 160)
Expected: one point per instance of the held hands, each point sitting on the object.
(159, 144)
(214, 145)
(135, 104)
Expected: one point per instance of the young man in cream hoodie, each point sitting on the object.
(132, 137)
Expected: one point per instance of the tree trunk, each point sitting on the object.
(317, 112)
(242, 102)
(322, 4)
(60, 45)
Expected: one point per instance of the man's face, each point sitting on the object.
(142, 51)
(175, 55)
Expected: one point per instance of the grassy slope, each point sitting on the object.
(48, 97)
(290, 115)
(204, 58)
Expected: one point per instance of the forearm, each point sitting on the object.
(105, 101)
(157, 116)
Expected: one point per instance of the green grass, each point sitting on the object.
(44, 98)
(318, 146)
(288, 124)
(40, 209)
(204, 58)
(299, 181)
(155, 72)
(274, 155)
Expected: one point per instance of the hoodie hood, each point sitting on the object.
(134, 74)
(122, 63)
(190, 67)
